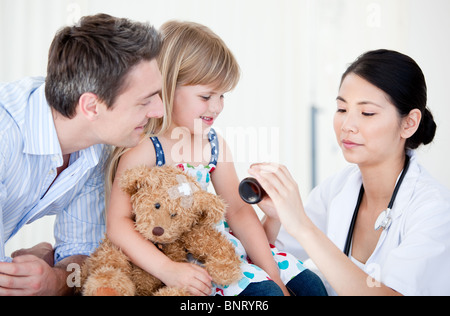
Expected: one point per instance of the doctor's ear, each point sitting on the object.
(88, 105)
(410, 123)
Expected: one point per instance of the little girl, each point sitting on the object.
(197, 70)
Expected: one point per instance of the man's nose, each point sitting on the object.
(157, 110)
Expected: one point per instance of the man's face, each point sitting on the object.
(123, 124)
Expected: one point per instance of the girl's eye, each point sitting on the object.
(206, 98)
(368, 114)
(341, 110)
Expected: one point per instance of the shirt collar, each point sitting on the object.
(40, 137)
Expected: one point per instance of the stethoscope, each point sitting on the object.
(384, 220)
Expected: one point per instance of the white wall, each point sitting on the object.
(292, 54)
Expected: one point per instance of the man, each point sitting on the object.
(102, 88)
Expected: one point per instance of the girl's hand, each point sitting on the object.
(188, 276)
(285, 202)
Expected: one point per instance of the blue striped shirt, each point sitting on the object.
(30, 154)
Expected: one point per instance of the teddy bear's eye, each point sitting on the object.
(157, 206)
(173, 215)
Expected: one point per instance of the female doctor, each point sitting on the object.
(382, 225)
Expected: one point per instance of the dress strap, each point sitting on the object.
(212, 137)
(160, 158)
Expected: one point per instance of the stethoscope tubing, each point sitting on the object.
(387, 219)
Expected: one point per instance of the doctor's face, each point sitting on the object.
(366, 123)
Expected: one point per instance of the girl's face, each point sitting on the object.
(368, 126)
(196, 107)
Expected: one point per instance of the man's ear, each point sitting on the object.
(411, 123)
(88, 105)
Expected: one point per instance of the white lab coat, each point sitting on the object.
(413, 255)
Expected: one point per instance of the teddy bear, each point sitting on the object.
(175, 214)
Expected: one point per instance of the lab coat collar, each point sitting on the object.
(342, 207)
(406, 190)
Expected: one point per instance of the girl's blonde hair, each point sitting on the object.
(191, 54)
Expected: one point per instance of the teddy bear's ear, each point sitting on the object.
(134, 179)
(211, 208)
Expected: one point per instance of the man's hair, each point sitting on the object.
(96, 55)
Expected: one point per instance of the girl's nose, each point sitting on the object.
(216, 105)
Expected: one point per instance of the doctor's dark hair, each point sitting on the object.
(401, 78)
(96, 56)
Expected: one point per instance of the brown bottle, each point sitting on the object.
(251, 191)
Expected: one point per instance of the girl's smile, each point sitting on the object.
(208, 120)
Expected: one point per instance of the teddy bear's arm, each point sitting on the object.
(215, 252)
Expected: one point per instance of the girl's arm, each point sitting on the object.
(342, 274)
(242, 218)
(271, 222)
(121, 231)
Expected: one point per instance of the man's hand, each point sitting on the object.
(43, 250)
(29, 275)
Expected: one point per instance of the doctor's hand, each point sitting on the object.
(284, 202)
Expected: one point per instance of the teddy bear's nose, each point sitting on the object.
(158, 231)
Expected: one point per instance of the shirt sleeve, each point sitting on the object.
(419, 266)
(80, 227)
(3, 257)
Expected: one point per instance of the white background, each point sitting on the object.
(292, 54)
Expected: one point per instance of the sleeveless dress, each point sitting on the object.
(289, 266)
